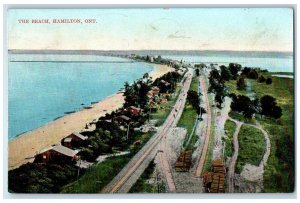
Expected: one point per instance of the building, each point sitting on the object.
(122, 120)
(153, 92)
(134, 111)
(74, 140)
(165, 83)
(56, 154)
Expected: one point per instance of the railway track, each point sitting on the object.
(202, 156)
(133, 170)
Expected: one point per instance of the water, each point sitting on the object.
(43, 87)
(40, 90)
(272, 64)
(283, 76)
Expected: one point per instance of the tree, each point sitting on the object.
(193, 99)
(269, 81)
(253, 74)
(267, 104)
(197, 72)
(269, 107)
(225, 73)
(277, 112)
(246, 71)
(244, 105)
(240, 83)
(234, 69)
(261, 79)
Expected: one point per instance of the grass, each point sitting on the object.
(164, 109)
(231, 87)
(187, 119)
(142, 185)
(279, 170)
(97, 176)
(250, 140)
(194, 83)
(230, 127)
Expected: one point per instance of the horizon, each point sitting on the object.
(123, 50)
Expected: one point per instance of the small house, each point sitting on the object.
(121, 119)
(134, 111)
(56, 154)
(74, 140)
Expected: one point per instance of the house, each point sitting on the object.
(163, 100)
(153, 92)
(165, 83)
(56, 154)
(74, 140)
(122, 119)
(134, 111)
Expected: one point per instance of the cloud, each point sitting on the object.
(178, 36)
(153, 27)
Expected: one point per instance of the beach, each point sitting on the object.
(26, 146)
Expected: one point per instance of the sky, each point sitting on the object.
(240, 29)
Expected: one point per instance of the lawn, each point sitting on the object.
(230, 127)
(188, 118)
(279, 171)
(250, 140)
(187, 121)
(97, 176)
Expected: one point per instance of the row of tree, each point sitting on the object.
(265, 106)
(217, 86)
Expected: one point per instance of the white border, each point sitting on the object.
(129, 3)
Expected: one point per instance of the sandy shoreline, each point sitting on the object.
(23, 148)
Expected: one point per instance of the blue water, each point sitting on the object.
(40, 90)
(272, 64)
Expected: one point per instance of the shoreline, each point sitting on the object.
(23, 148)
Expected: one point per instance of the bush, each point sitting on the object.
(40, 178)
(269, 81)
(261, 79)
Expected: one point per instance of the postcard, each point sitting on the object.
(150, 100)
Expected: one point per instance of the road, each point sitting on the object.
(202, 157)
(136, 166)
(233, 159)
(259, 169)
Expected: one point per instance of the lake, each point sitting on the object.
(44, 87)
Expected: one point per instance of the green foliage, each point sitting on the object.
(251, 147)
(240, 83)
(269, 107)
(234, 68)
(269, 81)
(244, 105)
(230, 129)
(225, 73)
(40, 178)
(143, 186)
(261, 79)
(97, 176)
(217, 86)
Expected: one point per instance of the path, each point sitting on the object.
(249, 172)
(233, 159)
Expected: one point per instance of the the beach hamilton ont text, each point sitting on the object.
(57, 21)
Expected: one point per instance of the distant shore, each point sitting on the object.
(23, 148)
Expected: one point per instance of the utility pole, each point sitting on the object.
(128, 131)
